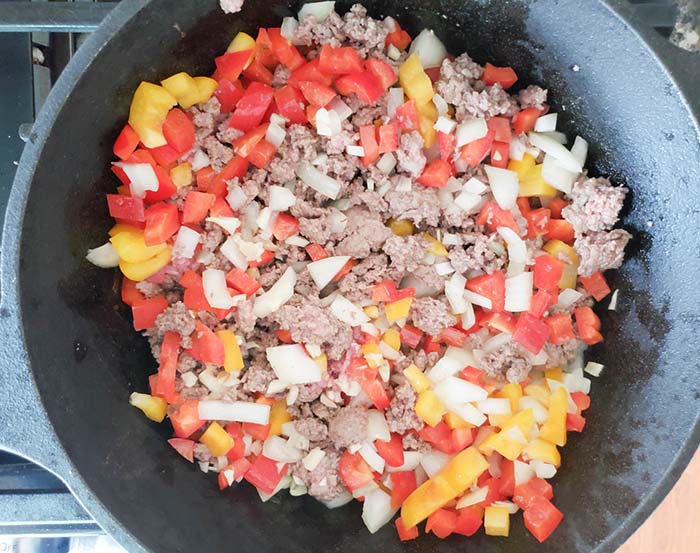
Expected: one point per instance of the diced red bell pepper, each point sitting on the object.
(368, 141)
(126, 208)
(364, 84)
(162, 221)
(386, 291)
(492, 216)
(339, 61)
(507, 487)
(284, 336)
(537, 222)
(145, 312)
(165, 156)
(447, 144)
(237, 167)
(129, 293)
(431, 345)
(531, 333)
(264, 474)
(121, 175)
(382, 71)
(354, 471)
(166, 188)
(581, 400)
(388, 137)
(256, 72)
(398, 37)
(475, 152)
(263, 49)
(197, 206)
(317, 94)
(185, 419)
(190, 278)
(230, 65)
(235, 430)
(555, 207)
(266, 257)
(183, 447)
(462, 438)
(452, 336)
(524, 121)
(541, 301)
(433, 73)
(290, 103)
(505, 76)
(391, 451)
(403, 484)
(524, 205)
(169, 354)
(285, 226)
(244, 145)
(548, 271)
(560, 327)
(473, 375)
(410, 335)
(439, 436)
(405, 534)
(501, 128)
(309, 72)
(221, 209)
(441, 523)
(542, 518)
(207, 347)
(469, 520)
(262, 154)
(374, 389)
(596, 285)
(526, 493)
(204, 177)
(178, 130)
(316, 252)
(251, 108)
(126, 143)
(286, 53)
(436, 174)
(257, 431)
(502, 322)
(493, 494)
(228, 93)
(242, 281)
(194, 298)
(575, 422)
(588, 325)
(407, 116)
(491, 286)
(560, 229)
(500, 153)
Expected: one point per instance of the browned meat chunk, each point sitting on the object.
(348, 426)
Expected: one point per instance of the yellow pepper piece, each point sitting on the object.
(149, 108)
(397, 309)
(153, 407)
(416, 378)
(429, 408)
(554, 374)
(278, 416)
(556, 247)
(513, 392)
(233, 360)
(498, 420)
(544, 451)
(121, 227)
(460, 473)
(554, 430)
(205, 87)
(242, 41)
(426, 129)
(392, 339)
(181, 175)
(455, 421)
(372, 311)
(217, 440)
(568, 277)
(131, 247)
(532, 184)
(401, 227)
(183, 87)
(496, 521)
(141, 271)
(497, 442)
(414, 81)
(539, 391)
(523, 420)
(522, 168)
(322, 361)
(428, 109)
(436, 247)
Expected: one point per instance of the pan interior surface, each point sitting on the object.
(86, 357)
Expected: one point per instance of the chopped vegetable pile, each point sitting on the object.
(366, 271)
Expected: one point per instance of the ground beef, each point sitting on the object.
(364, 233)
(365, 114)
(410, 156)
(149, 289)
(243, 317)
(363, 276)
(432, 283)
(478, 256)
(506, 363)
(175, 318)
(462, 72)
(280, 76)
(321, 229)
(366, 34)
(299, 144)
(312, 429)
(595, 205)
(186, 363)
(211, 240)
(322, 411)
(231, 6)
(405, 253)
(310, 323)
(323, 483)
(219, 154)
(600, 251)
(560, 355)
(490, 102)
(228, 134)
(419, 205)
(311, 392)
(532, 97)
(202, 453)
(431, 316)
(401, 414)
(330, 31)
(411, 442)
(258, 376)
(348, 426)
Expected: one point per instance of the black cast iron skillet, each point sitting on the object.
(70, 357)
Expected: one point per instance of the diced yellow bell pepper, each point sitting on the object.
(181, 175)
(217, 440)
(427, 130)
(121, 227)
(206, 87)
(436, 247)
(370, 348)
(278, 416)
(401, 227)
(153, 407)
(554, 430)
(522, 168)
(532, 184)
(429, 110)
(554, 374)
(131, 247)
(455, 421)
(397, 309)
(183, 87)
(243, 41)
(414, 80)
(539, 391)
(322, 361)
(372, 311)
(513, 392)
(523, 420)
(498, 420)
(149, 108)
(556, 247)
(429, 408)
(233, 360)
(392, 339)
(460, 473)
(568, 276)
(497, 442)
(416, 378)
(141, 271)
(496, 521)
(544, 451)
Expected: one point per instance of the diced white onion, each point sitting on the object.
(556, 136)
(313, 178)
(468, 317)
(504, 186)
(472, 498)
(232, 252)
(341, 108)
(431, 51)
(275, 135)
(200, 160)
(281, 198)
(236, 198)
(555, 175)
(404, 184)
(494, 406)
(278, 449)
(327, 122)
(324, 270)
(546, 123)
(434, 461)
(288, 28)
(372, 458)
(411, 459)
(454, 292)
(275, 387)
(523, 472)
(580, 150)
(276, 297)
(542, 469)
(519, 292)
(478, 299)
(229, 224)
(445, 124)
(496, 342)
(393, 53)
(343, 499)
(142, 178)
(514, 434)
(538, 410)
(471, 130)
(386, 163)
(445, 268)
(354, 150)
(517, 251)
(454, 360)
(454, 391)
(511, 507)
(594, 369)
(377, 510)
(612, 306)
(468, 202)
(319, 10)
(568, 297)
(394, 100)
(440, 104)
(215, 289)
(189, 379)
(377, 427)
(470, 414)
(313, 458)
(474, 186)
(297, 240)
(105, 257)
(517, 149)
(348, 312)
(238, 411)
(292, 364)
(557, 150)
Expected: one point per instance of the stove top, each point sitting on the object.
(37, 40)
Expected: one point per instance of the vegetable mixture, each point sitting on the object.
(366, 271)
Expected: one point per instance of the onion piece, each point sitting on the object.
(236, 198)
(454, 292)
(472, 498)
(278, 449)
(354, 150)
(580, 150)
(594, 369)
(348, 312)
(343, 499)
(105, 257)
(411, 459)
(445, 268)
(517, 251)
(471, 130)
(568, 297)
(454, 360)
(281, 198)
(542, 469)
(546, 123)
(142, 178)
(517, 149)
(511, 507)
(454, 391)
(234, 411)
(523, 472)
(612, 306)
(468, 202)
(377, 510)
(298, 241)
(288, 28)
(340, 107)
(445, 124)
(469, 317)
(319, 10)
(324, 270)
(504, 186)
(327, 122)
(431, 51)
(200, 160)
(434, 461)
(279, 294)
(372, 458)
(313, 458)
(550, 146)
(393, 53)
(275, 135)
(377, 427)
(538, 410)
(386, 163)
(292, 364)
(394, 100)
(229, 224)
(474, 186)
(519, 292)
(494, 406)
(555, 175)
(313, 178)
(477, 299)
(556, 136)
(232, 252)
(440, 104)
(216, 290)
(470, 414)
